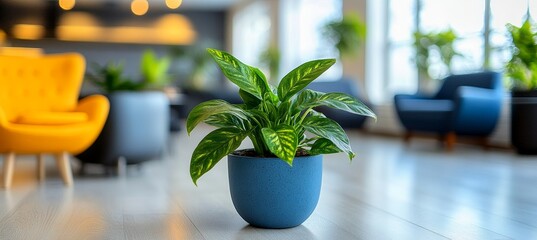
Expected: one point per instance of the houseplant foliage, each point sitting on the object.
(429, 44)
(275, 119)
(154, 70)
(110, 78)
(522, 67)
(347, 34)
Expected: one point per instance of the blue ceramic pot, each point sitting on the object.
(268, 193)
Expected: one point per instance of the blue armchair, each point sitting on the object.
(465, 105)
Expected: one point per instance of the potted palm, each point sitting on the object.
(522, 71)
(277, 183)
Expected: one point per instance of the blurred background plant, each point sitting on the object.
(522, 67)
(154, 70)
(347, 34)
(270, 59)
(109, 78)
(433, 48)
(192, 66)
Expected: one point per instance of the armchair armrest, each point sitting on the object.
(398, 97)
(96, 106)
(476, 110)
(402, 100)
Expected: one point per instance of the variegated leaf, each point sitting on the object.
(329, 129)
(209, 108)
(309, 98)
(324, 146)
(282, 141)
(213, 148)
(223, 120)
(301, 76)
(250, 100)
(239, 73)
(346, 103)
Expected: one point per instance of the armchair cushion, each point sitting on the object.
(52, 118)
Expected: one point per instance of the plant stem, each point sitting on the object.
(304, 116)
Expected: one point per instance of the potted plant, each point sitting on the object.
(522, 71)
(277, 183)
(347, 34)
(137, 126)
(433, 47)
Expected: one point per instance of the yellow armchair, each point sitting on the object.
(40, 112)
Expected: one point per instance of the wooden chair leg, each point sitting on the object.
(450, 139)
(64, 167)
(407, 137)
(41, 167)
(9, 161)
(484, 142)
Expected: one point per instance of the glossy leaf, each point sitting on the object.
(329, 129)
(346, 103)
(209, 108)
(282, 141)
(250, 100)
(301, 76)
(323, 146)
(262, 80)
(222, 120)
(213, 148)
(239, 73)
(308, 98)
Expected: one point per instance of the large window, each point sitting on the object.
(251, 32)
(302, 36)
(479, 24)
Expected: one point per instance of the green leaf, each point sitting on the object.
(308, 98)
(209, 108)
(223, 120)
(329, 129)
(346, 103)
(239, 73)
(213, 148)
(301, 76)
(281, 141)
(324, 146)
(153, 69)
(250, 100)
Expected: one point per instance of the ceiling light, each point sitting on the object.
(139, 7)
(173, 4)
(67, 4)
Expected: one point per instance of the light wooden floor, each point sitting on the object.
(390, 191)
